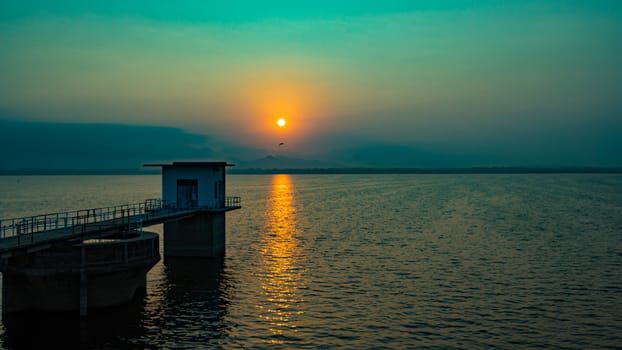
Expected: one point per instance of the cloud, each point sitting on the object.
(46, 145)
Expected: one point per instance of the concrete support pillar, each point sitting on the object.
(83, 292)
(83, 283)
(5, 290)
(201, 235)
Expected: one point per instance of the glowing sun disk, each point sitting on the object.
(281, 122)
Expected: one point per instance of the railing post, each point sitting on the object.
(65, 228)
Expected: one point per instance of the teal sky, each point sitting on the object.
(488, 82)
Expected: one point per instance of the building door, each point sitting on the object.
(187, 193)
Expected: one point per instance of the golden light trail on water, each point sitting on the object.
(282, 277)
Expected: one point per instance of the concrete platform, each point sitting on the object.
(80, 276)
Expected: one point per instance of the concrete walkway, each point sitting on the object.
(30, 242)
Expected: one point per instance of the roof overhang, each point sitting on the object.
(193, 164)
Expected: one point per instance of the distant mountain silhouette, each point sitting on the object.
(279, 162)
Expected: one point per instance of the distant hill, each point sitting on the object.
(10, 172)
(274, 162)
(288, 165)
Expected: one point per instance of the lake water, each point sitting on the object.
(363, 261)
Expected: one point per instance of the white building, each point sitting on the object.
(194, 184)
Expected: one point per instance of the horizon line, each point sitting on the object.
(341, 170)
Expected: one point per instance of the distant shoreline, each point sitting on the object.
(492, 170)
(331, 171)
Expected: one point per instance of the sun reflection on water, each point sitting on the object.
(282, 278)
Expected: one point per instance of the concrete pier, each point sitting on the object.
(94, 258)
(82, 276)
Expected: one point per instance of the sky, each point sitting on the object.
(360, 83)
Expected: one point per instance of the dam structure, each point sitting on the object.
(98, 257)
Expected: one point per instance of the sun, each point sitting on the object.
(281, 122)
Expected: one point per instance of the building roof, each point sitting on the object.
(199, 164)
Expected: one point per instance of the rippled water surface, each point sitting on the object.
(361, 261)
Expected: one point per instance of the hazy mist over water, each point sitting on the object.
(361, 261)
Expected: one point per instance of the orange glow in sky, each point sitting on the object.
(278, 105)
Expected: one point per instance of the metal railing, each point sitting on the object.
(233, 202)
(71, 222)
(228, 202)
(100, 253)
